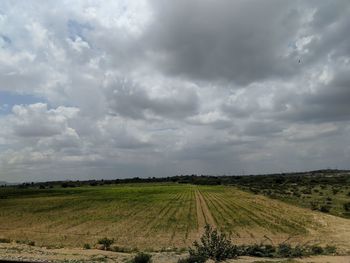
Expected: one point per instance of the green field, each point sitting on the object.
(155, 216)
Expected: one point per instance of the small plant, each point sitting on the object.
(192, 259)
(30, 243)
(335, 191)
(258, 250)
(328, 250)
(142, 258)
(316, 250)
(298, 251)
(106, 242)
(325, 208)
(284, 250)
(5, 240)
(314, 205)
(213, 245)
(87, 246)
(347, 206)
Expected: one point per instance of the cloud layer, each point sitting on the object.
(152, 89)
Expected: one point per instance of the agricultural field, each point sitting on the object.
(158, 216)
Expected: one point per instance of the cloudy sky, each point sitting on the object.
(107, 89)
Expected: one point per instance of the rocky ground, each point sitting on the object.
(19, 252)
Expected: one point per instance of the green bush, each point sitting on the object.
(325, 208)
(284, 250)
(328, 250)
(213, 245)
(87, 246)
(346, 206)
(314, 205)
(142, 258)
(106, 242)
(298, 251)
(316, 250)
(5, 240)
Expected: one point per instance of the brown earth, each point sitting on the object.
(174, 222)
(204, 215)
(19, 253)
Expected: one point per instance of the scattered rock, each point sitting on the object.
(99, 246)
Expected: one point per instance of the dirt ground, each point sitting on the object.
(19, 252)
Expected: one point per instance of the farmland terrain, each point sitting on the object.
(159, 216)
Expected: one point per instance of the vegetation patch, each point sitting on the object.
(142, 258)
(215, 246)
(106, 243)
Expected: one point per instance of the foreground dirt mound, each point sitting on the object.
(19, 253)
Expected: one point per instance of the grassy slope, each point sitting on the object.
(321, 196)
(150, 215)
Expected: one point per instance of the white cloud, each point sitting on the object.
(147, 89)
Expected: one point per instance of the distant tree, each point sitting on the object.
(106, 242)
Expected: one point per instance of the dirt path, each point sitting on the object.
(204, 215)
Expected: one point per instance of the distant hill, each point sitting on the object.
(3, 183)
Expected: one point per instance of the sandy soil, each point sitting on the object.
(20, 252)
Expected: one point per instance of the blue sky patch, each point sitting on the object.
(9, 99)
(76, 29)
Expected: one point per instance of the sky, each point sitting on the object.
(116, 88)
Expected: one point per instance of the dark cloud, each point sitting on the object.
(132, 100)
(329, 29)
(260, 128)
(154, 88)
(328, 103)
(240, 41)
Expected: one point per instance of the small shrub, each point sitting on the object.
(325, 208)
(335, 191)
(213, 245)
(307, 192)
(314, 205)
(298, 251)
(106, 243)
(142, 258)
(328, 250)
(5, 240)
(87, 246)
(346, 206)
(192, 259)
(258, 250)
(284, 250)
(30, 243)
(316, 250)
